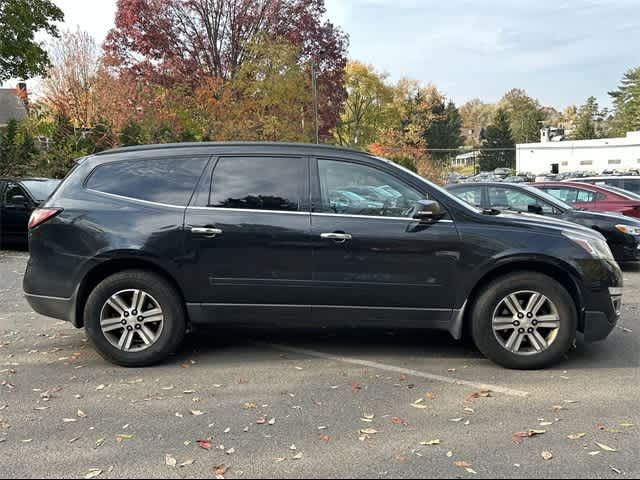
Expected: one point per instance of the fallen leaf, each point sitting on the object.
(261, 420)
(325, 438)
(462, 464)
(170, 461)
(615, 470)
(604, 447)
(471, 471)
(69, 420)
(272, 421)
(293, 448)
(399, 421)
(593, 454)
(577, 436)
(368, 431)
(93, 473)
(231, 451)
(298, 456)
(430, 443)
(449, 454)
(456, 420)
(519, 436)
(197, 413)
(81, 414)
(430, 396)
(220, 471)
(547, 456)
(187, 463)
(205, 444)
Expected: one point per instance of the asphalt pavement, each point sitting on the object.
(320, 403)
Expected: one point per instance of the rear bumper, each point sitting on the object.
(58, 308)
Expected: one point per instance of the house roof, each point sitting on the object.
(11, 106)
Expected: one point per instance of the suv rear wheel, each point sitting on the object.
(135, 318)
(524, 321)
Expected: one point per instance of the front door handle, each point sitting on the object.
(206, 231)
(337, 237)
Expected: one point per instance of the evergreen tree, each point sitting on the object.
(586, 120)
(499, 144)
(444, 131)
(626, 100)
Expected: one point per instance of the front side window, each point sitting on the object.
(512, 199)
(259, 183)
(567, 195)
(471, 195)
(354, 189)
(169, 181)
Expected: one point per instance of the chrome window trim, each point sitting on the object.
(246, 210)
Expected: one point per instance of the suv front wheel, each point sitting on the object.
(524, 321)
(135, 318)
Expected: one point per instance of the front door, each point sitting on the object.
(17, 209)
(248, 239)
(372, 262)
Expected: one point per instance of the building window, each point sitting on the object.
(585, 163)
(615, 162)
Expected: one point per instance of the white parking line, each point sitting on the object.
(405, 371)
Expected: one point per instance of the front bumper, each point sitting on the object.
(598, 324)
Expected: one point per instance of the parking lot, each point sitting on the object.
(359, 404)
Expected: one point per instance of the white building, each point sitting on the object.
(553, 155)
(466, 159)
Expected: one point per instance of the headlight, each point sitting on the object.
(596, 247)
(629, 230)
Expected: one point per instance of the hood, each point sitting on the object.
(550, 224)
(612, 217)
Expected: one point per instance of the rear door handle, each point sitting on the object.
(206, 231)
(338, 237)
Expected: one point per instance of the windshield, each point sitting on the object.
(439, 189)
(547, 197)
(40, 190)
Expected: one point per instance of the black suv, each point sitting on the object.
(141, 245)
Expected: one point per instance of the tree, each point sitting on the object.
(170, 42)
(21, 56)
(586, 118)
(444, 131)
(626, 101)
(498, 144)
(367, 107)
(525, 115)
(69, 86)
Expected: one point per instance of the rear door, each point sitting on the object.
(249, 238)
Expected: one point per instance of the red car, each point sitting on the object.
(592, 197)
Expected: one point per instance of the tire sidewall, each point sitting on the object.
(488, 301)
(173, 330)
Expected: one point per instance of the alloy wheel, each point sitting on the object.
(526, 323)
(132, 320)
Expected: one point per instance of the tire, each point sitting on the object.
(493, 301)
(168, 334)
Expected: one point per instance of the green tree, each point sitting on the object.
(367, 108)
(626, 101)
(525, 115)
(498, 144)
(21, 56)
(586, 118)
(444, 131)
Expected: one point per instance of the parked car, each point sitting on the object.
(140, 245)
(19, 197)
(592, 197)
(628, 182)
(622, 233)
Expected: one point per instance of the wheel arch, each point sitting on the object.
(110, 267)
(553, 270)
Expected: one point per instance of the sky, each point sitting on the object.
(559, 51)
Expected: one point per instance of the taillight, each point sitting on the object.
(41, 215)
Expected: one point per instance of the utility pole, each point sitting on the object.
(314, 88)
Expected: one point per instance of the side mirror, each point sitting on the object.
(427, 210)
(536, 209)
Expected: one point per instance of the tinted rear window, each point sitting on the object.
(259, 183)
(169, 181)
